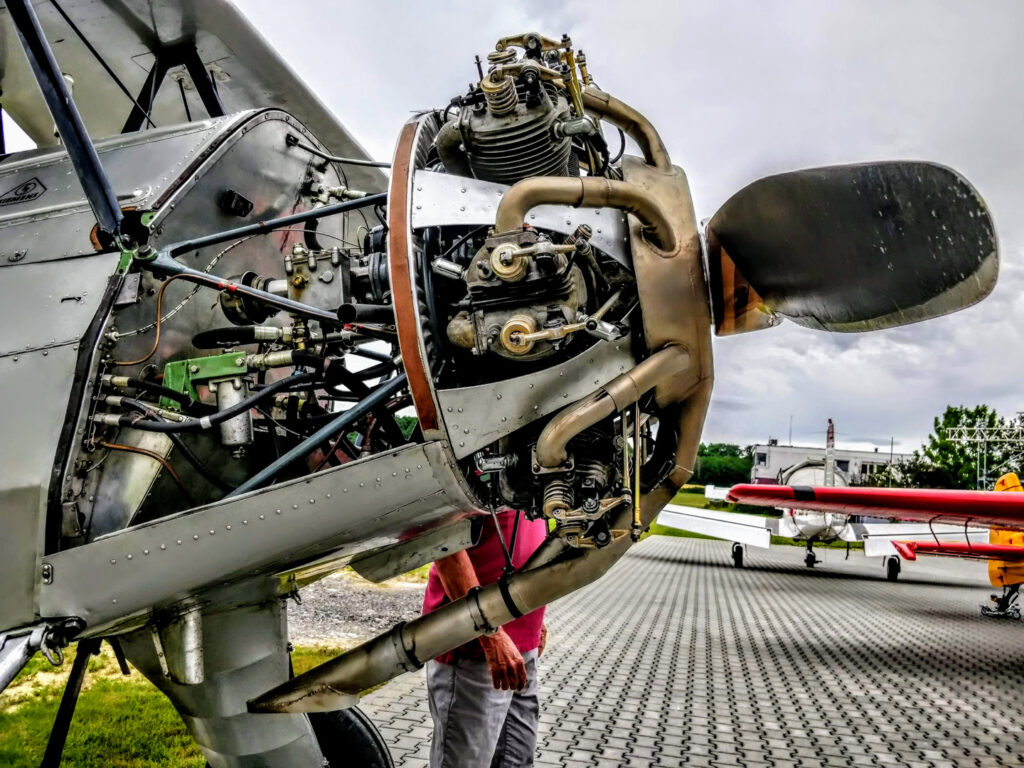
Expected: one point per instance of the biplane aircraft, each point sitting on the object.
(214, 305)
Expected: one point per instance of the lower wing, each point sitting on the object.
(753, 530)
(909, 550)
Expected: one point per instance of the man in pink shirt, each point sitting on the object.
(483, 695)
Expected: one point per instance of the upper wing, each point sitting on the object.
(987, 509)
(731, 526)
(189, 38)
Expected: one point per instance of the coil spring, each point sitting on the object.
(593, 468)
(502, 97)
(558, 498)
(506, 56)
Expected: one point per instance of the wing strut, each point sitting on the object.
(65, 114)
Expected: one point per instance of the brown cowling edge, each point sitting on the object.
(403, 293)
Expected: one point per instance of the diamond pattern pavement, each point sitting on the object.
(677, 658)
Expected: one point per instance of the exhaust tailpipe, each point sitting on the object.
(407, 647)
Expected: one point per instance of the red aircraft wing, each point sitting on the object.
(988, 509)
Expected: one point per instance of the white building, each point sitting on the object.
(772, 460)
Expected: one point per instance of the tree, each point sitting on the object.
(944, 463)
(720, 449)
(955, 465)
(914, 472)
(722, 464)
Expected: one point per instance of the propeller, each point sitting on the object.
(850, 248)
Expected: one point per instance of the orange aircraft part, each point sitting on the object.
(1004, 573)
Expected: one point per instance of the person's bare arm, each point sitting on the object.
(508, 670)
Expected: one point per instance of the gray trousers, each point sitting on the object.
(476, 725)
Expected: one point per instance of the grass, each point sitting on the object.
(120, 722)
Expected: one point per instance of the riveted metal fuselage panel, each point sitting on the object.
(354, 508)
(55, 221)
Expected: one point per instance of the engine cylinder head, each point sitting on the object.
(509, 128)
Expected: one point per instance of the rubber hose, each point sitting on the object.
(229, 413)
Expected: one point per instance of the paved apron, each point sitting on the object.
(677, 658)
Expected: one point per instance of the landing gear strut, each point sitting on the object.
(892, 568)
(810, 559)
(737, 554)
(1007, 606)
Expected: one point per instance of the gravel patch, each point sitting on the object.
(343, 609)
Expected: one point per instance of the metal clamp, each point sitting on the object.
(480, 623)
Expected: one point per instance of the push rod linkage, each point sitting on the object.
(68, 120)
(164, 262)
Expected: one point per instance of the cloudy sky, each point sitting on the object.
(740, 90)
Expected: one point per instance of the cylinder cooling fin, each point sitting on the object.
(519, 120)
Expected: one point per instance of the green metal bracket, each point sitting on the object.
(125, 262)
(183, 375)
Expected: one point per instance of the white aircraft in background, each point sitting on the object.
(810, 526)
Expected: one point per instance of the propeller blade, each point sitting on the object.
(850, 248)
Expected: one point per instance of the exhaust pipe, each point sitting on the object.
(632, 123)
(585, 192)
(615, 396)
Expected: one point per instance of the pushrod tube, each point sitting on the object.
(268, 226)
(325, 433)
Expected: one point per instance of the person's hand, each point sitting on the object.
(543, 640)
(508, 670)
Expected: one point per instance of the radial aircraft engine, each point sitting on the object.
(235, 365)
